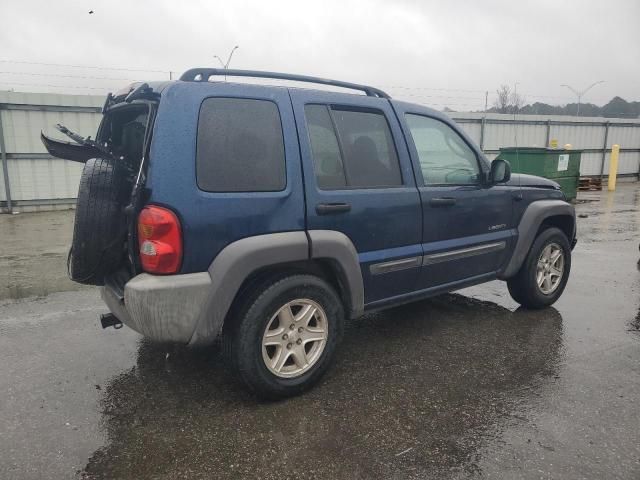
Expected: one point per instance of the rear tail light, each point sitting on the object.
(160, 240)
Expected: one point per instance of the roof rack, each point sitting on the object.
(203, 74)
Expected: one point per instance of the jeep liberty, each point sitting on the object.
(268, 215)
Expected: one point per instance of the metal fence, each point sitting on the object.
(33, 180)
(593, 136)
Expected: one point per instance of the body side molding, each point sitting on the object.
(463, 253)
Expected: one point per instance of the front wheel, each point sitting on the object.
(544, 273)
(284, 339)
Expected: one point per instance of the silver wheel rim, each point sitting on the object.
(550, 268)
(295, 338)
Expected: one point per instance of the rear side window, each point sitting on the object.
(327, 160)
(240, 146)
(351, 148)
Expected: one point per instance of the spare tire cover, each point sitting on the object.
(100, 229)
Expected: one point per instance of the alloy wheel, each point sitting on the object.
(550, 268)
(294, 338)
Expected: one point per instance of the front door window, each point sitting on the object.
(445, 158)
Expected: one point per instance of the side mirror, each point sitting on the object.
(500, 171)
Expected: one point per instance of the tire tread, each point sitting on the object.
(99, 221)
(239, 342)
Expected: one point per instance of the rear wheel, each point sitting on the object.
(285, 337)
(544, 273)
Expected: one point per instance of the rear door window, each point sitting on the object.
(351, 148)
(240, 146)
(327, 159)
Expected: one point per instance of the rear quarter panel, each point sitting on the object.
(210, 221)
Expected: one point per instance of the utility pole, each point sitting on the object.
(580, 93)
(486, 99)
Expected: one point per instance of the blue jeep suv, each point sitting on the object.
(268, 215)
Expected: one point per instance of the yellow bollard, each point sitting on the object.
(613, 167)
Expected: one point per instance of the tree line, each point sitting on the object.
(509, 101)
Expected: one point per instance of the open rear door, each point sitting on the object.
(69, 150)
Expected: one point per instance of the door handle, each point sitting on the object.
(442, 202)
(331, 208)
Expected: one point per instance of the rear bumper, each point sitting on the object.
(163, 308)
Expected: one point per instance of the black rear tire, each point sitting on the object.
(243, 333)
(99, 232)
(524, 288)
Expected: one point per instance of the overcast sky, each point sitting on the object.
(439, 53)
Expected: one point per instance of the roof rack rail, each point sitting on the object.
(203, 74)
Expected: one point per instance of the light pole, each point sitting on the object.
(225, 65)
(580, 93)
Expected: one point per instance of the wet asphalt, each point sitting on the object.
(466, 385)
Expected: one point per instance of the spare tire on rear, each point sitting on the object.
(100, 229)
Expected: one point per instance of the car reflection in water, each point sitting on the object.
(414, 392)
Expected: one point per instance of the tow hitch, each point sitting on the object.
(110, 320)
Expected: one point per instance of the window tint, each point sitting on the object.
(360, 155)
(444, 156)
(327, 160)
(240, 146)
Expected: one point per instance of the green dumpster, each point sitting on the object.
(561, 166)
